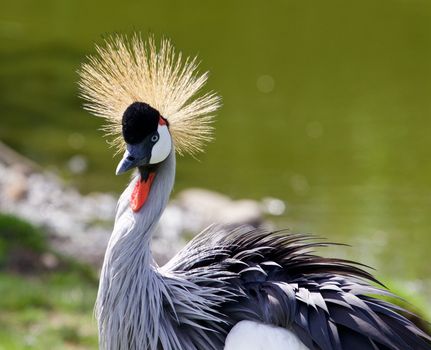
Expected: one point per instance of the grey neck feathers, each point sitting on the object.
(130, 285)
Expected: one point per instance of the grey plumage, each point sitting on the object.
(225, 275)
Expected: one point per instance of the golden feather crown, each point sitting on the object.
(127, 70)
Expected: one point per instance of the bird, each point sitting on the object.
(231, 287)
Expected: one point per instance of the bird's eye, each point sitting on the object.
(154, 138)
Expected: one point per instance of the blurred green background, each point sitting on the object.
(326, 105)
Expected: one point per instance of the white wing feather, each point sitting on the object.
(248, 335)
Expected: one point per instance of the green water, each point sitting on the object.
(326, 106)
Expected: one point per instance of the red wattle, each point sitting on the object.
(140, 192)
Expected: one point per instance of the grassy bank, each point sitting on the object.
(46, 300)
(50, 311)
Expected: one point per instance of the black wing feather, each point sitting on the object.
(274, 278)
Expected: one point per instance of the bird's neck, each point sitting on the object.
(129, 272)
(133, 229)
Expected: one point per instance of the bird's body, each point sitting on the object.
(230, 287)
(226, 275)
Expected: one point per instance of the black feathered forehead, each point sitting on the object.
(139, 121)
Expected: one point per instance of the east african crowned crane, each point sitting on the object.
(230, 287)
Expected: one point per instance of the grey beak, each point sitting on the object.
(136, 155)
(128, 162)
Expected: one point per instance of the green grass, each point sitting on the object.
(41, 307)
(23, 249)
(16, 234)
(53, 311)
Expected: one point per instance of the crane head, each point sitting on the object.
(146, 135)
(138, 85)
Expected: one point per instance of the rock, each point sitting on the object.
(77, 225)
(50, 261)
(16, 186)
(203, 207)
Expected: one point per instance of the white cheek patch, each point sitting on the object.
(162, 147)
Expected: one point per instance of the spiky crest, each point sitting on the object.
(128, 69)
